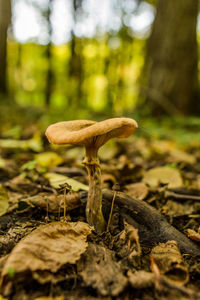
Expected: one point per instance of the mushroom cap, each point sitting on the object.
(85, 132)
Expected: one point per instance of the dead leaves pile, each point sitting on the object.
(151, 171)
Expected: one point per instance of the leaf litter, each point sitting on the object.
(118, 264)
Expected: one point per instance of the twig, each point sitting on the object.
(111, 210)
(181, 196)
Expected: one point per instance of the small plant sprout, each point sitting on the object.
(92, 135)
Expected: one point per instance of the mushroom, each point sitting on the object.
(92, 135)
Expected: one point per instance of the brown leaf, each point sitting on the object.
(54, 202)
(193, 235)
(141, 279)
(100, 271)
(170, 262)
(48, 247)
(165, 175)
(137, 190)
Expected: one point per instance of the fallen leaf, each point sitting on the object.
(54, 203)
(193, 235)
(32, 144)
(99, 270)
(48, 159)
(2, 163)
(175, 209)
(48, 248)
(165, 175)
(181, 156)
(57, 179)
(141, 279)
(108, 151)
(137, 190)
(170, 262)
(3, 200)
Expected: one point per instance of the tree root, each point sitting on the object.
(152, 226)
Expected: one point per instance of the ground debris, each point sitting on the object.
(99, 270)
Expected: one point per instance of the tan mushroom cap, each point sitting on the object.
(83, 132)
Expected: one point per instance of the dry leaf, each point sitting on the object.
(3, 200)
(165, 175)
(170, 262)
(48, 159)
(175, 209)
(137, 190)
(141, 279)
(48, 247)
(53, 203)
(177, 155)
(100, 271)
(193, 235)
(57, 179)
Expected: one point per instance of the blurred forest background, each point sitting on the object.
(72, 59)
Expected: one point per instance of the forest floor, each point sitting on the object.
(151, 249)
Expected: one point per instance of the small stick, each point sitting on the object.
(115, 188)
(47, 206)
(181, 196)
(111, 211)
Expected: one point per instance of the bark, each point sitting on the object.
(172, 59)
(5, 19)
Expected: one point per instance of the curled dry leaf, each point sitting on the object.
(165, 175)
(170, 262)
(48, 248)
(99, 270)
(193, 235)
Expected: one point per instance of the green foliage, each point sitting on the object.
(106, 79)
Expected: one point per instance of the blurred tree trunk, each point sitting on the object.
(49, 78)
(75, 65)
(172, 59)
(5, 20)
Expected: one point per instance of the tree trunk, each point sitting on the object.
(172, 59)
(76, 64)
(49, 78)
(5, 19)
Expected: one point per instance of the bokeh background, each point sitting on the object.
(72, 59)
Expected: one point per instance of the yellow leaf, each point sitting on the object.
(57, 179)
(3, 200)
(48, 159)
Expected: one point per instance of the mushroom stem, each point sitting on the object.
(94, 213)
